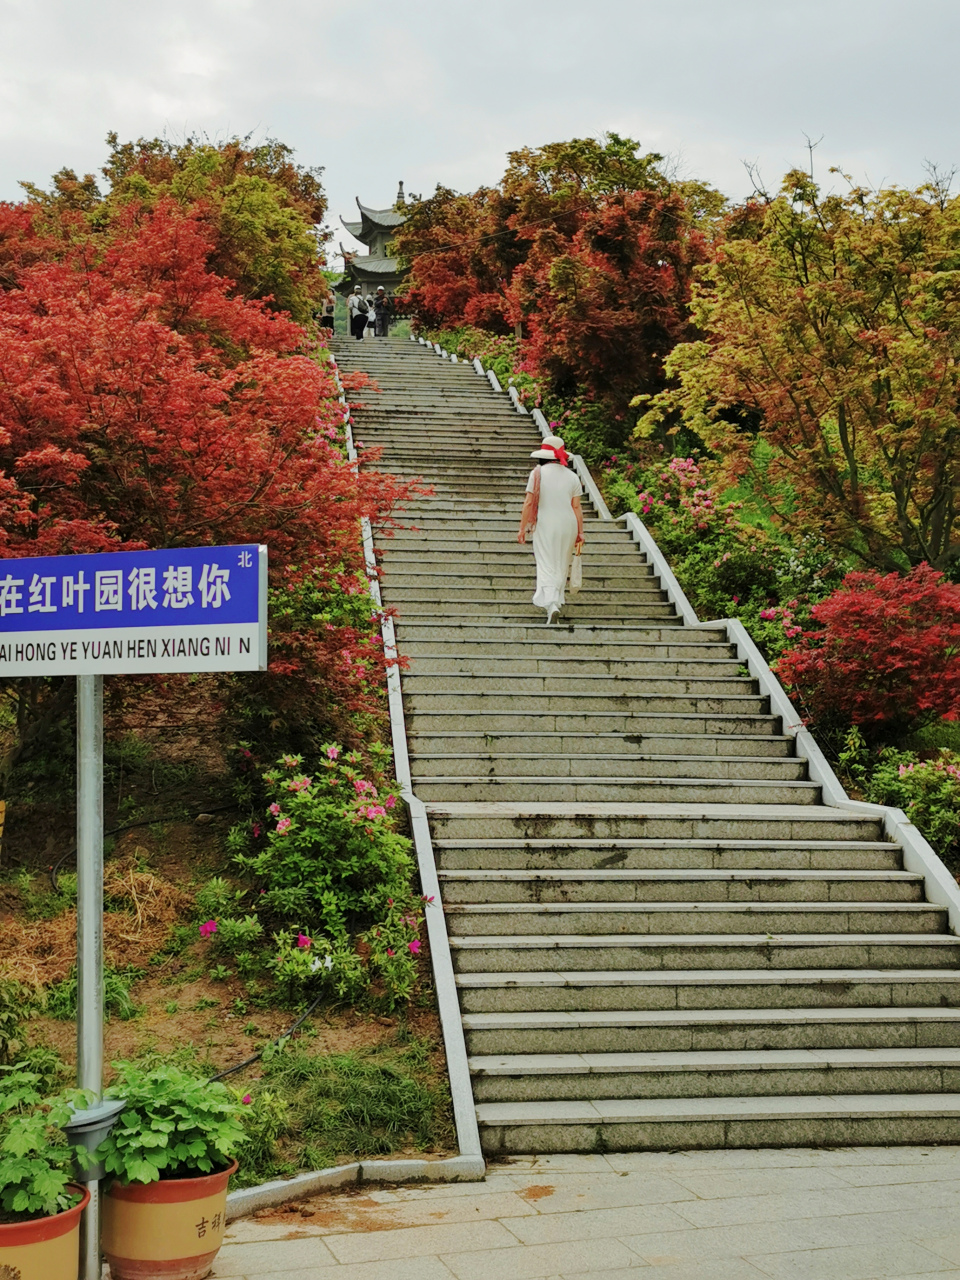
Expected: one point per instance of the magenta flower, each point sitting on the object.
(303, 941)
(246, 1099)
(207, 928)
(768, 614)
(283, 826)
(256, 830)
(332, 753)
(390, 801)
(414, 946)
(274, 809)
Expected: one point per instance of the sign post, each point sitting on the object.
(122, 613)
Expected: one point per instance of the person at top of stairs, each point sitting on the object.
(552, 509)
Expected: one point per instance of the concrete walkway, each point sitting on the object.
(855, 1214)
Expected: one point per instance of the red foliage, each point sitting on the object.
(603, 309)
(141, 405)
(888, 656)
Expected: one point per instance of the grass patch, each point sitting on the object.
(117, 1000)
(312, 1110)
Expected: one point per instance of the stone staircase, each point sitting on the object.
(662, 937)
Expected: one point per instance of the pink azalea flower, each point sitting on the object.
(247, 1099)
(256, 830)
(274, 809)
(332, 753)
(389, 952)
(390, 801)
(768, 614)
(207, 928)
(414, 946)
(283, 826)
(303, 941)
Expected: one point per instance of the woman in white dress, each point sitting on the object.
(552, 509)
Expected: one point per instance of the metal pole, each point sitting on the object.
(90, 930)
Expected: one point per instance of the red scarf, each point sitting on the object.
(560, 454)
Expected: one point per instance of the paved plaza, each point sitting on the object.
(851, 1214)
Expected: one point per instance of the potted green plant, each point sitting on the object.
(40, 1206)
(170, 1155)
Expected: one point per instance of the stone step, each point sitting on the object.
(566, 821)
(622, 990)
(549, 647)
(665, 1124)
(561, 637)
(582, 952)
(698, 1030)
(697, 886)
(488, 677)
(538, 919)
(425, 763)
(722, 747)
(705, 667)
(584, 608)
(638, 724)
(667, 856)
(706, 1074)
(613, 790)
(497, 592)
(518, 581)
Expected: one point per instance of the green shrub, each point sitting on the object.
(217, 898)
(36, 1163)
(928, 791)
(174, 1123)
(331, 865)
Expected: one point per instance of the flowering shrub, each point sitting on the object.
(332, 868)
(727, 568)
(928, 791)
(886, 656)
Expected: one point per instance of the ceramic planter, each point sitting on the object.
(167, 1230)
(45, 1247)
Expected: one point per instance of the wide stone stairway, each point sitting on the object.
(662, 937)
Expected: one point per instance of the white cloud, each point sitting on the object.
(439, 91)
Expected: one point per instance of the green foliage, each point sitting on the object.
(321, 1108)
(40, 901)
(174, 1125)
(216, 898)
(35, 1160)
(13, 999)
(330, 863)
(928, 791)
(61, 997)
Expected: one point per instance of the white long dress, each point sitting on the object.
(555, 534)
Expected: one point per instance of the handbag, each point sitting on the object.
(576, 570)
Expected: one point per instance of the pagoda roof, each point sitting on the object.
(372, 221)
(382, 218)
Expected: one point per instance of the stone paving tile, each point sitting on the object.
(540, 1261)
(271, 1256)
(931, 1170)
(696, 1244)
(719, 1269)
(821, 1204)
(946, 1245)
(561, 1193)
(408, 1269)
(596, 1224)
(716, 1185)
(412, 1242)
(856, 1263)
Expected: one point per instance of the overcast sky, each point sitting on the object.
(439, 90)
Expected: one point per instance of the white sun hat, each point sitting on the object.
(551, 450)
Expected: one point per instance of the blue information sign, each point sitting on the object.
(187, 609)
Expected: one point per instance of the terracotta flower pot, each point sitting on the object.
(167, 1230)
(44, 1247)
